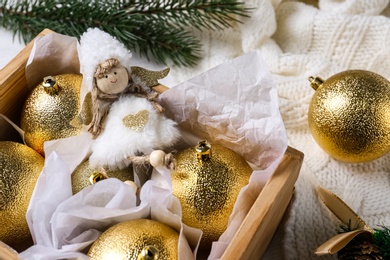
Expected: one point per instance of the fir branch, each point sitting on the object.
(154, 28)
(347, 227)
(382, 240)
(200, 14)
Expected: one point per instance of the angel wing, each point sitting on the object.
(85, 115)
(149, 77)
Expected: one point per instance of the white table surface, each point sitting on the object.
(10, 46)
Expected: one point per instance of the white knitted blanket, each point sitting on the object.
(299, 40)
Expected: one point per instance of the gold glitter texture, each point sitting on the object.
(208, 189)
(48, 116)
(349, 115)
(136, 122)
(126, 240)
(20, 167)
(149, 77)
(83, 172)
(86, 114)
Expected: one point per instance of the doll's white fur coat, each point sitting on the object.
(132, 127)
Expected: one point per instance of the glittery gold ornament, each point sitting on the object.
(349, 115)
(140, 239)
(51, 109)
(20, 167)
(84, 175)
(207, 181)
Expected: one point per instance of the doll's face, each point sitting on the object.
(114, 81)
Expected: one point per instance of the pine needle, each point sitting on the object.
(382, 240)
(156, 29)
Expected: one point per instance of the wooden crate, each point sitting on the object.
(260, 224)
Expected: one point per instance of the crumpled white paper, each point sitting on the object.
(65, 225)
(51, 55)
(234, 104)
(166, 208)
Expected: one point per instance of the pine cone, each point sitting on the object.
(360, 250)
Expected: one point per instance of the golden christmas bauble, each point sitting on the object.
(84, 175)
(207, 181)
(20, 167)
(140, 239)
(50, 109)
(349, 115)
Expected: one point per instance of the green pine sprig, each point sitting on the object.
(158, 29)
(382, 240)
(347, 227)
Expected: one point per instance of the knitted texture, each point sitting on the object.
(299, 40)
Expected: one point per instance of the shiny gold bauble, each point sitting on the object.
(140, 239)
(84, 175)
(207, 181)
(20, 167)
(349, 115)
(49, 110)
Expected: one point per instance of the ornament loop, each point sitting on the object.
(50, 85)
(315, 82)
(203, 150)
(149, 253)
(97, 176)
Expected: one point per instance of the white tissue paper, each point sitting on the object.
(63, 226)
(51, 55)
(165, 208)
(234, 104)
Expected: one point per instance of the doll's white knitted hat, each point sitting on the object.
(97, 46)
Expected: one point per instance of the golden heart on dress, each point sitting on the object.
(136, 122)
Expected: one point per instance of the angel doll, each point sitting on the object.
(127, 123)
